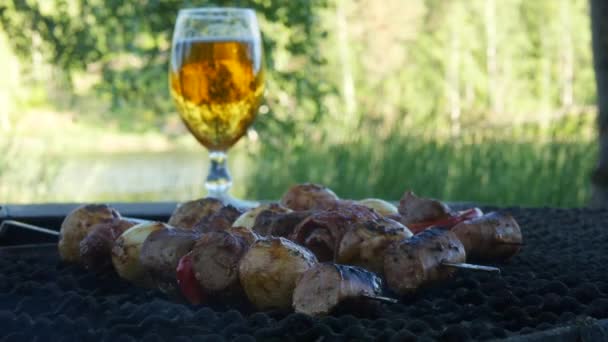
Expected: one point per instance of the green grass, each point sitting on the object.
(491, 171)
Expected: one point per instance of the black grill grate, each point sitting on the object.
(560, 278)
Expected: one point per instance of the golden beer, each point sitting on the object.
(217, 89)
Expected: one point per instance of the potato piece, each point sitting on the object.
(270, 269)
(126, 251)
(247, 219)
(188, 214)
(383, 208)
(308, 196)
(77, 224)
(96, 247)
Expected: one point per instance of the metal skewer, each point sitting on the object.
(4, 226)
(381, 299)
(7, 223)
(473, 267)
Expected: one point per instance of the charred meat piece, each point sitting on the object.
(322, 231)
(161, 251)
(188, 214)
(219, 220)
(308, 196)
(494, 236)
(269, 222)
(77, 225)
(96, 247)
(215, 260)
(364, 243)
(417, 262)
(448, 222)
(323, 287)
(270, 269)
(248, 218)
(415, 209)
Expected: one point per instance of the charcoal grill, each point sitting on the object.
(556, 289)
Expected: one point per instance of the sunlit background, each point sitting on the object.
(466, 100)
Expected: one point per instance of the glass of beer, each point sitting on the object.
(216, 79)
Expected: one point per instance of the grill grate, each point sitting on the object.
(558, 279)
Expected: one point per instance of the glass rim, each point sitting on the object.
(211, 10)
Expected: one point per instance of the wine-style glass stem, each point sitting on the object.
(218, 180)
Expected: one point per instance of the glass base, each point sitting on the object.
(227, 199)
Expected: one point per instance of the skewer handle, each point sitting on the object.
(471, 266)
(381, 299)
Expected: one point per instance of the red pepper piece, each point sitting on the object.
(187, 282)
(447, 222)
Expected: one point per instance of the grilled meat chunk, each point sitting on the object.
(188, 214)
(364, 243)
(322, 231)
(161, 251)
(270, 269)
(417, 262)
(220, 220)
(325, 286)
(493, 236)
(308, 196)
(415, 209)
(215, 260)
(96, 247)
(77, 224)
(274, 223)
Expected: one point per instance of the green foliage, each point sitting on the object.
(484, 100)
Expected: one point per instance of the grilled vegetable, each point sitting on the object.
(494, 236)
(126, 252)
(187, 283)
(383, 208)
(269, 270)
(321, 232)
(215, 259)
(308, 196)
(323, 287)
(364, 243)
(188, 214)
(418, 261)
(96, 247)
(78, 224)
(248, 218)
(161, 251)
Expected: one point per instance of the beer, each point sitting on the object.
(217, 86)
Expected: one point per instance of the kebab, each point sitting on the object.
(365, 242)
(326, 286)
(77, 224)
(96, 247)
(494, 236)
(270, 269)
(426, 258)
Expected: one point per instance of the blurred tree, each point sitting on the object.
(129, 41)
(599, 28)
